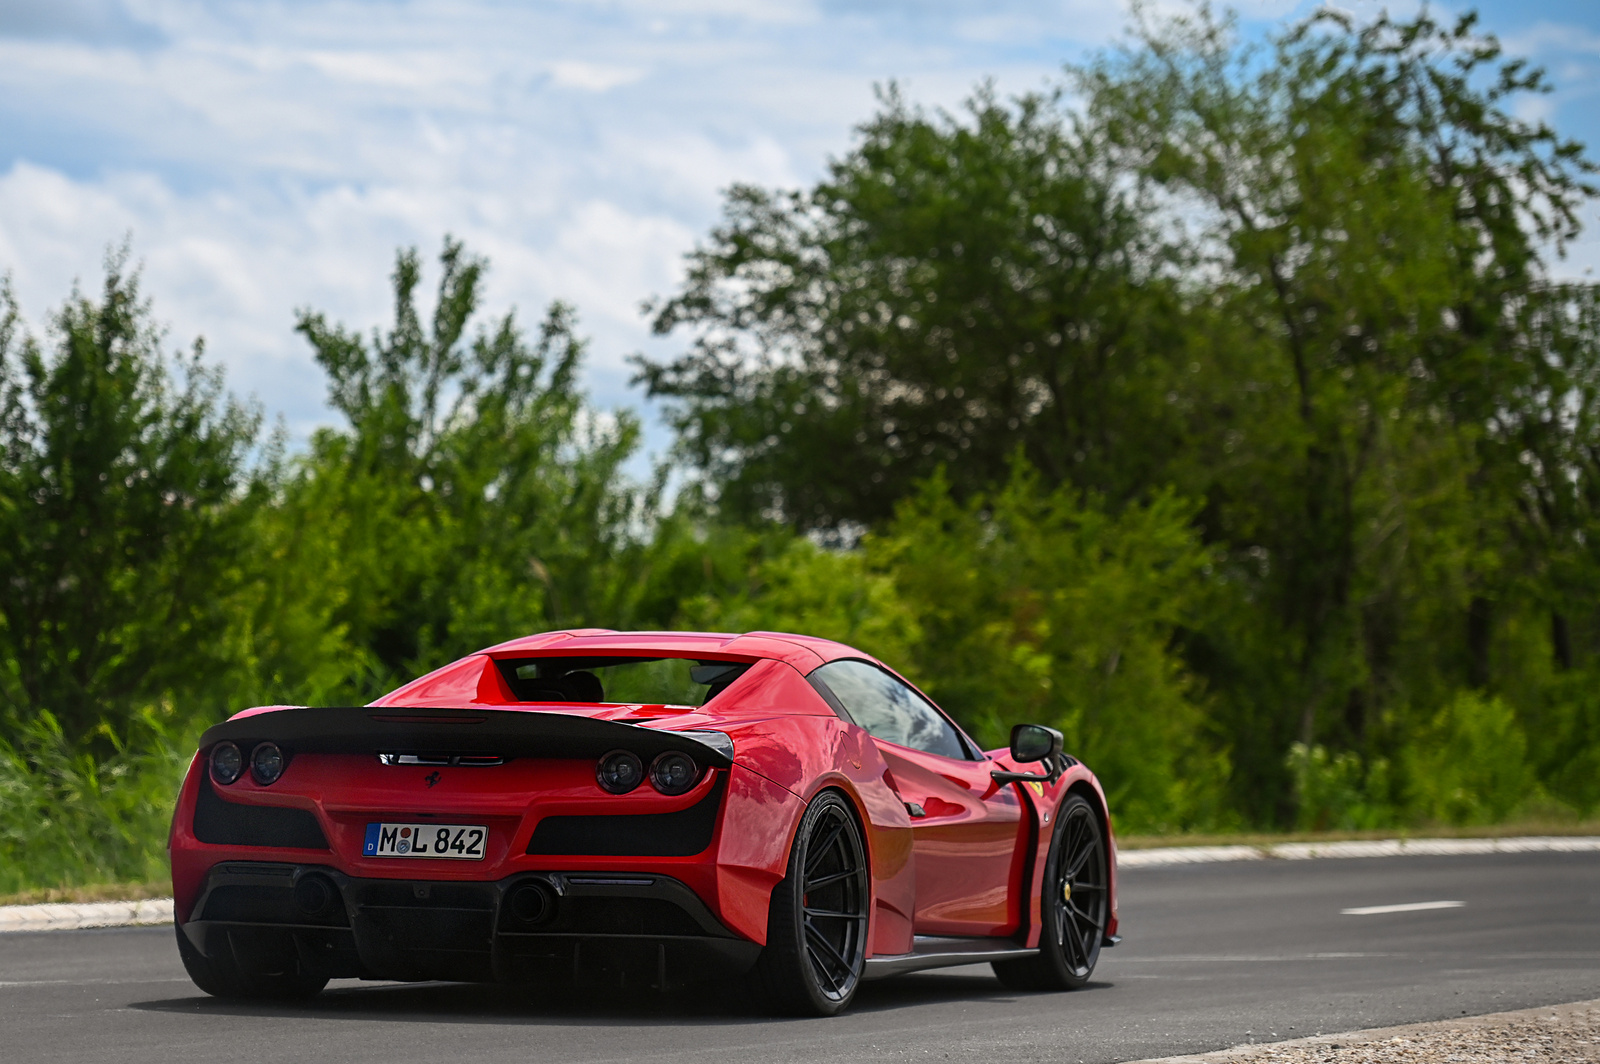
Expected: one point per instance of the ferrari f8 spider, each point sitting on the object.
(639, 809)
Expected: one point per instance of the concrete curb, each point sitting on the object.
(92, 914)
(1304, 851)
(159, 910)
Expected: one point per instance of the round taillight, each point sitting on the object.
(619, 772)
(673, 773)
(226, 763)
(266, 763)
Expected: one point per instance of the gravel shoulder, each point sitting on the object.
(1567, 1034)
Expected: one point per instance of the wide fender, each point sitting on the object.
(188, 871)
(759, 820)
(1043, 801)
(808, 754)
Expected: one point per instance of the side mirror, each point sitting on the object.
(1034, 742)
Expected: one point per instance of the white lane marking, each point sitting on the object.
(1409, 907)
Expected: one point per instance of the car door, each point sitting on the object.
(964, 827)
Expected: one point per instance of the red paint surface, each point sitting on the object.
(971, 866)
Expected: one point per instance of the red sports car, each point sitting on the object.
(639, 809)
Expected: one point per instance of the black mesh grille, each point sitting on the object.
(233, 824)
(265, 905)
(421, 894)
(622, 916)
(681, 834)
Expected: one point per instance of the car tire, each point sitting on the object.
(817, 922)
(222, 977)
(1072, 908)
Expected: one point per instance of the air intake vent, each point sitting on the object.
(681, 834)
(225, 823)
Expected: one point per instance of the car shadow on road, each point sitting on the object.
(473, 1003)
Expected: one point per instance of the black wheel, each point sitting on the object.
(222, 977)
(817, 924)
(1074, 907)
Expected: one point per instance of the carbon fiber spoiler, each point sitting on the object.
(506, 732)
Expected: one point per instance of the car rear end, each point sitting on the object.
(473, 844)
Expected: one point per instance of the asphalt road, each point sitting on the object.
(1213, 955)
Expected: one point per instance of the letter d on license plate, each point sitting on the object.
(464, 842)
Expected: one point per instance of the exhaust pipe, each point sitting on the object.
(315, 894)
(531, 903)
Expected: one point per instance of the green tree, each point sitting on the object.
(956, 288)
(125, 501)
(1022, 604)
(1375, 216)
(473, 494)
(793, 585)
(1048, 605)
(1304, 283)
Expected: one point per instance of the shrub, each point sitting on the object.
(1338, 791)
(1469, 765)
(70, 817)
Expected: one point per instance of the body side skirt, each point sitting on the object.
(929, 951)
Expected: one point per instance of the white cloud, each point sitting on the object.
(594, 77)
(271, 154)
(1544, 37)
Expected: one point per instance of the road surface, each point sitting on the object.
(1213, 956)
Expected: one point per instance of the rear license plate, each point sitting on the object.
(464, 842)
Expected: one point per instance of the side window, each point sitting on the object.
(888, 709)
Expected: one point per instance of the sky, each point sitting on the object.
(271, 155)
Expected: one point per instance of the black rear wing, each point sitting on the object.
(507, 733)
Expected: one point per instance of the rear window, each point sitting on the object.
(667, 681)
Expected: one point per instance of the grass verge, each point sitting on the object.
(92, 821)
(97, 892)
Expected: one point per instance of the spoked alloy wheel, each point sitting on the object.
(817, 925)
(1074, 907)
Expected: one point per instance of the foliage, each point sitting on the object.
(1384, 355)
(1219, 407)
(1025, 606)
(952, 291)
(1563, 735)
(71, 816)
(805, 588)
(1336, 791)
(1470, 764)
(1304, 284)
(472, 492)
(1046, 606)
(124, 501)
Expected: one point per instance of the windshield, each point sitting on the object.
(668, 681)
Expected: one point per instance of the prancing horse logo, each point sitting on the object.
(431, 778)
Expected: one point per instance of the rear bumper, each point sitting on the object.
(608, 927)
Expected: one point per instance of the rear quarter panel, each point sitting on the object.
(812, 750)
